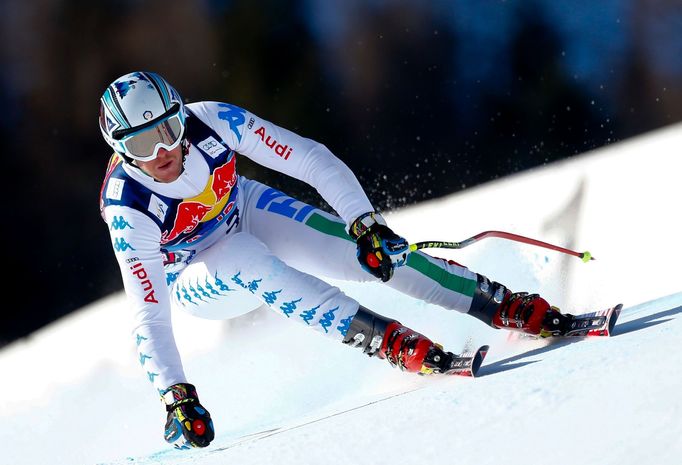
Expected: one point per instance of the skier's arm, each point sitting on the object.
(380, 250)
(135, 239)
(284, 151)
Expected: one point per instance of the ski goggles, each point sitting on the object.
(144, 142)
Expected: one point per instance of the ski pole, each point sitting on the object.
(584, 256)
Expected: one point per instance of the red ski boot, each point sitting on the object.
(399, 345)
(498, 307)
(406, 349)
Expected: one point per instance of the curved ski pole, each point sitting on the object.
(584, 256)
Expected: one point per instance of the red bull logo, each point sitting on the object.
(209, 204)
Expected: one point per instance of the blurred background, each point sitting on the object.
(420, 98)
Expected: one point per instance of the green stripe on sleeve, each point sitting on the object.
(415, 260)
(327, 226)
(450, 281)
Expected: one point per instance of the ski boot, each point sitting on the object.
(498, 307)
(399, 345)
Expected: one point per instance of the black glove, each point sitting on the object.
(380, 250)
(188, 424)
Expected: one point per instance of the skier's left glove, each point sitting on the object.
(380, 250)
(188, 423)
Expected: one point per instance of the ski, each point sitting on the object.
(600, 323)
(466, 364)
(585, 325)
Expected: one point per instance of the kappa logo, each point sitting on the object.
(345, 325)
(328, 318)
(270, 297)
(119, 223)
(144, 358)
(120, 245)
(234, 116)
(308, 315)
(211, 146)
(289, 307)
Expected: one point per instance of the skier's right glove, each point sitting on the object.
(380, 250)
(188, 423)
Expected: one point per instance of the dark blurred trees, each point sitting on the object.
(385, 96)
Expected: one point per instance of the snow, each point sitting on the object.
(72, 393)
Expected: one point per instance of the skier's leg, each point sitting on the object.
(242, 263)
(498, 307)
(315, 241)
(491, 302)
(398, 344)
(303, 236)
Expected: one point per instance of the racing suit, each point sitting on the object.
(191, 244)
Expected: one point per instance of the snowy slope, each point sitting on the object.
(616, 401)
(74, 394)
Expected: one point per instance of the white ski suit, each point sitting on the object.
(193, 243)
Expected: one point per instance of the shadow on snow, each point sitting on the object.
(645, 322)
(619, 330)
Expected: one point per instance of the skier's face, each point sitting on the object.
(166, 167)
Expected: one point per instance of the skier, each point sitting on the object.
(188, 233)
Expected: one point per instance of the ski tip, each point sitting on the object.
(478, 359)
(614, 318)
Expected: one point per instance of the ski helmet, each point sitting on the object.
(140, 113)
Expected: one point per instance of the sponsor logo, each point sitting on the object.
(283, 151)
(278, 202)
(308, 315)
(212, 202)
(115, 189)
(139, 272)
(251, 286)
(251, 123)
(327, 319)
(211, 146)
(234, 116)
(157, 207)
(119, 223)
(345, 325)
(120, 245)
(271, 297)
(289, 307)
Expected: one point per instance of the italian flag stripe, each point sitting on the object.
(327, 226)
(417, 261)
(455, 283)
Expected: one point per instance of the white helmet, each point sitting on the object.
(140, 113)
